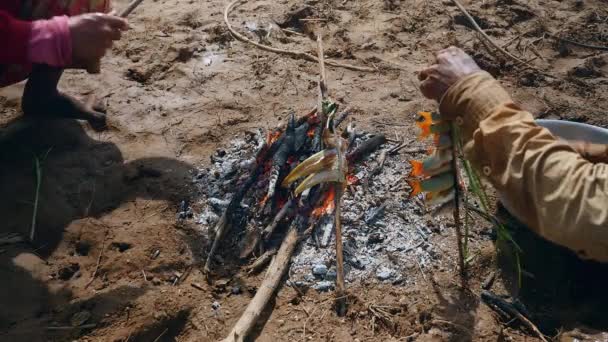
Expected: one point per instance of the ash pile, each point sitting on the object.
(387, 237)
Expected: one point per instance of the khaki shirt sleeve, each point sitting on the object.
(548, 185)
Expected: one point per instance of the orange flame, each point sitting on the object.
(311, 132)
(352, 180)
(263, 201)
(273, 136)
(327, 206)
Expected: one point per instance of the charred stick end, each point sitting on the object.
(367, 147)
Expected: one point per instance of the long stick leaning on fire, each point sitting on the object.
(327, 166)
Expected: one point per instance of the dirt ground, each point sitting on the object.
(178, 86)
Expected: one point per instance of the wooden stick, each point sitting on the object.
(575, 43)
(223, 224)
(103, 247)
(220, 230)
(277, 219)
(318, 138)
(130, 7)
(492, 300)
(457, 222)
(340, 286)
(295, 54)
(269, 285)
(487, 38)
(365, 148)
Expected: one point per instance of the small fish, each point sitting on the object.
(437, 183)
(332, 175)
(433, 199)
(442, 141)
(430, 123)
(437, 163)
(315, 163)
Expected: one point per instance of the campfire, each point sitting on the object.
(297, 183)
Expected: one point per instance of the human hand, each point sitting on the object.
(452, 64)
(92, 35)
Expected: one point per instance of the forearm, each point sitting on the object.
(548, 184)
(41, 41)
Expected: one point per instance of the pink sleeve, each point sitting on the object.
(50, 42)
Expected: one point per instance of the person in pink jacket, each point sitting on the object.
(41, 38)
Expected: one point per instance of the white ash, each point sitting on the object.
(392, 244)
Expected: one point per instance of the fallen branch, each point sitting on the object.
(456, 212)
(575, 43)
(103, 247)
(269, 285)
(341, 117)
(494, 301)
(277, 219)
(223, 224)
(487, 38)
(295, 54)
(375, 171)
(340, 286)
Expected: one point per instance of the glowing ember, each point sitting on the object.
(328, 204)
(273, 136)
(311, 132)
(263, 201)
(352, 180)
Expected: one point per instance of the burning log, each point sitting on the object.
(280, 157)
(223, 224)
(251, 241)
(277, 219)
(268, 287)
(367, 147)
(340, 286)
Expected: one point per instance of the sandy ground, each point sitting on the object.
(178, 86)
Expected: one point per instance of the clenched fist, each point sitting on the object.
(452, 64)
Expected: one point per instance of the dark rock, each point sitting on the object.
(331, 274)
(319, 270)
(323, 286)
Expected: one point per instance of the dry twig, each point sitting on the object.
(495, 301)
(487, 38)
(103, 247)
(575, 43)
(295, 54)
